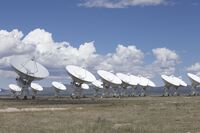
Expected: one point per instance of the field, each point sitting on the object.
(126, 115)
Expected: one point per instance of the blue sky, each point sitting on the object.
(171, 26)
(175, 25)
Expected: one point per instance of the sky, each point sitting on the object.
(140, 37)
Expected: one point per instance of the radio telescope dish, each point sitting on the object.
(79, 77)
(35, 88)
(28, 70)
(134, 81)
(97, 84)
(151, 83)
(109, 80)
(194, 78)
(125, 82)
(128, 81)
(143, 82)
(15, 89)
(181, 83)
(85, 86)
(195, 82)
(124, 78)
(79, 74)
(58, 87)
(169, 82)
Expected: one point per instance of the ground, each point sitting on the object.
(126, 115)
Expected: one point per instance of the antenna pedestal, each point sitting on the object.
(123, 91)
(116, 92)
(77, 92)
(34, 93)
(176, 91)
(96, 91)
(143, 92)
(24, 84)
(166, 91)
(194, 91)
(133, 93)
(15, 94)
(56, 92)
(106, 90)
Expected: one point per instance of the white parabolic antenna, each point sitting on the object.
(134, 80)
(170, 81)
(181, 82)
(28, 68)
(85, 86)
(15, 88)
(109, 78)
(36, 87)
(79, 74)
(151, 83)
(194, 79)
(124, 78)
(59, 86)
(98, 84)
(143, 81)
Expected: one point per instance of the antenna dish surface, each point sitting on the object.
(181, 82)
(15, 88)
(59, 85)
(124, 78)
(134, 80)
(80, 74)
(170, 80)
(143, 81)
(36, 87)
(28, 68)
(194, 78)
(151, 83)
(85, 86)
(109, 77)
(98, 84)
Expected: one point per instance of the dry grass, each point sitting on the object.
(129, 115)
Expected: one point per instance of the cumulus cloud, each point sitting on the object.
(56, 55)
(120, 3)
(195, 68)
(39, 43)
(125, 59)
(10, 43)
(166, 60)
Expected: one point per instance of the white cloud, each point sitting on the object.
(195, 68)
(40, 43)
(56, 55)
(120, 3)
(125, 59)
(10, 43)
(166, 60)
